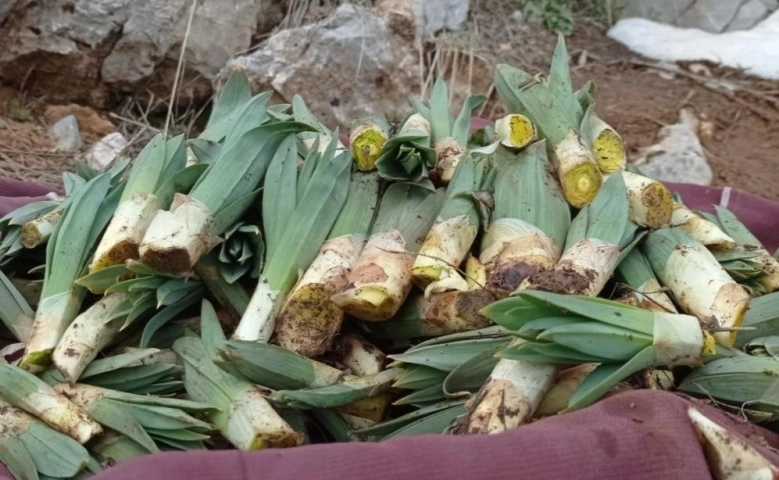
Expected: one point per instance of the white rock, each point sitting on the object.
(678, 156)
(104, 152)
(349, 65)
(67, 135)
(756, 50)
(444, 14)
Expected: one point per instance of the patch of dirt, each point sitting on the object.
(637, 101)
(26, 148)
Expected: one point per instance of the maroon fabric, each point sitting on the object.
(15, 193)
(640, 435)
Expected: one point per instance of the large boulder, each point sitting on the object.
(83, 50)
(355, 62)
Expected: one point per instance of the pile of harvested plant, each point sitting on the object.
(266, 285)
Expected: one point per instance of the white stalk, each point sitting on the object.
(361, 357)
(583, 269)
(651, 203)
(37, 232)
(703, 288)
(510, 396)
(309, 320)
(579, 174)
(448, 155)
(515, 131)
(512, 250)
(53, 317)
(607, 143)
(678, 340)
(729, 456)
(258, 321)
(176, 239)
(380, 281)
(89, 333)
(124, 234)
(62, 415)
(253, 424)
(447, 244)
(701, 229)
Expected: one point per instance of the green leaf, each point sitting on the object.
(446, 357)
(180, 182)
(606, 376)
(114, 416)
(165, 315)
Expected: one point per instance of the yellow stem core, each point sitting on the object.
(609, 151)
(367, 148)
(581, 184)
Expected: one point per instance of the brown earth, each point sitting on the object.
(742, 140)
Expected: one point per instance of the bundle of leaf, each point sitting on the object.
(67, 253)
(30, 449)
(748, 261)
(146, 296)
(698, 283)
(310, 320)
(322, 137)
(572, 329)
(529, 221)
(15, 312)
(600, 234)
(244, 416)
(156, 166)
(455, 230)
(176, 239)
(12, 225)
(381, 279)
(151, 422)
(408, 156)
(27, 392)
(448, 366)
(234, 113)
(449, 134)
(557, 113)
(299, 211)
(748, 384)
(367, 140)
(761, 320)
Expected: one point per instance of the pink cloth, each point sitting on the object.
(640, 435)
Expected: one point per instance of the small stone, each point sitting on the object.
(67, 134)
(91, 124)
(517, 16)
(678, 156)
(445, 14)
(105, 151)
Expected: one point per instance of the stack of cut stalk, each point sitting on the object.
(263, 285)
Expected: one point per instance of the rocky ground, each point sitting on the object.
(112, 63)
